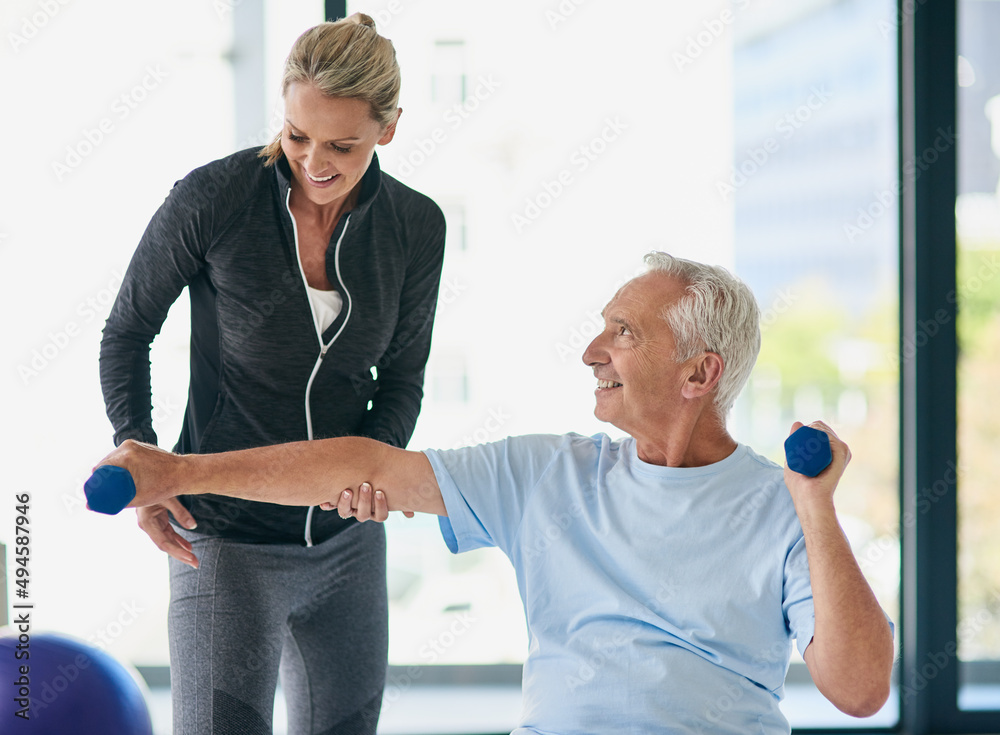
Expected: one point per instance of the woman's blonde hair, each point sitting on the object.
(347, 58)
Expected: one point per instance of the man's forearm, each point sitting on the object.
(851, 654)
(298, 473)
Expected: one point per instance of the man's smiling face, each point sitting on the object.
(639, 382)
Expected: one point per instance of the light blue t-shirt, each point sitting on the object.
(657, 599)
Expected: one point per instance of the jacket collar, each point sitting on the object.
(371, 183)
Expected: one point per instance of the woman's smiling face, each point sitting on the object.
(328, 141)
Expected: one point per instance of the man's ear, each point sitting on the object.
(706, 372)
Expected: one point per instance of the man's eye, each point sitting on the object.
(622, 330)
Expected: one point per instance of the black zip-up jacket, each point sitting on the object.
(259, 373)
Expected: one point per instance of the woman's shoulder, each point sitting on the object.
(241, 167)
(407, 198)
(227, 183)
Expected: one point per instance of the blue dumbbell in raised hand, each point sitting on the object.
(109, 489)
(807, 451)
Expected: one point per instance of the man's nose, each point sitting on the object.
(595, 354)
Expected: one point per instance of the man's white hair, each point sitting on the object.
(718, 313)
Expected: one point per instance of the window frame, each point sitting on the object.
(928, 53)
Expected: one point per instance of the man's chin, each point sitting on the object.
(606, 417)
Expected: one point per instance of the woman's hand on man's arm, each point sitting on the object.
(363, 505)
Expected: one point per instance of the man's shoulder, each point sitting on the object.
(761, 461)
(765, 496)
(541, 442)
(578, 445)
(534, 452)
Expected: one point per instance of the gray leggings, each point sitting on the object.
(320, 612)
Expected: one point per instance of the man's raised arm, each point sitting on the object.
(298, 473)
(851, 653)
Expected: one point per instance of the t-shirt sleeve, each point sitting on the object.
(797, 599)
(800, 616)
(485, 488)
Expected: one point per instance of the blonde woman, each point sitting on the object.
(313, 278)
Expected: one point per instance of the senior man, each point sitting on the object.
(663, 576)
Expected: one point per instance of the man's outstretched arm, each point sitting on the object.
(298, 473)
(851, 654)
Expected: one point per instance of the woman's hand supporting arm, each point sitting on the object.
(298, 473)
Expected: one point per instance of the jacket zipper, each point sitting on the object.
(323, 348)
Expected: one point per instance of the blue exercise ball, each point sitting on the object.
(58, 685)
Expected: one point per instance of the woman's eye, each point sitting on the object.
(340, 150)
(296, 138)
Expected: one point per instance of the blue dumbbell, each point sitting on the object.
(807, 451)
(109, 489)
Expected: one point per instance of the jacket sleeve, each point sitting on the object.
(399, 387)
(169, 255)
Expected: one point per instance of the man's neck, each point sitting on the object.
(692, 443)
